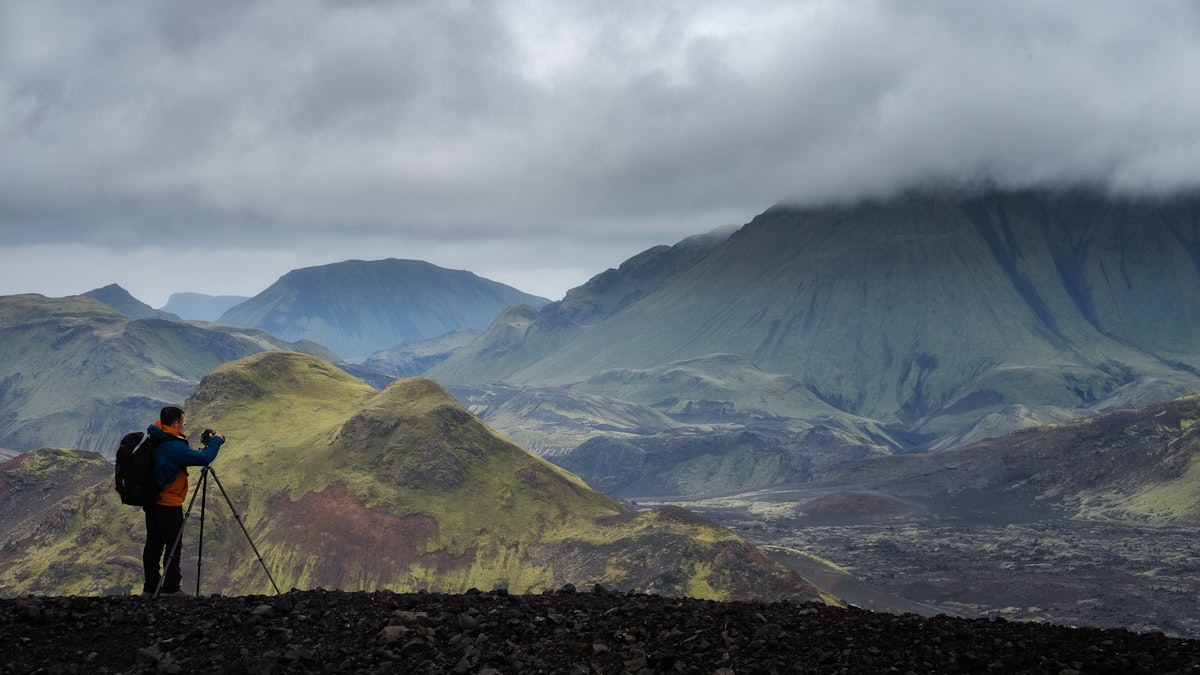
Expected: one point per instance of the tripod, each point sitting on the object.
(202, 490)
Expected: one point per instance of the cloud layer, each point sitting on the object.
(298, 130)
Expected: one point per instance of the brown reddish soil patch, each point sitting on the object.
(851, 504)
(336, 526)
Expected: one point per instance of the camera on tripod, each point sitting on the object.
(205, 435)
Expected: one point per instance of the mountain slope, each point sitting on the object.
(346, 487)
(76, 373)
(925, 311)
(359, 307)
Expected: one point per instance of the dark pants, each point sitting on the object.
(163, 524)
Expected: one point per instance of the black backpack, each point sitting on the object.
(135, 469)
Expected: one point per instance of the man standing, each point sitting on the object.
(164, 518)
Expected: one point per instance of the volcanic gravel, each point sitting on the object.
(560, 632)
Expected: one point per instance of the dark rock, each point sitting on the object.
(564, 632)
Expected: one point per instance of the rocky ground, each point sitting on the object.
(1105, 575)
(562, 632)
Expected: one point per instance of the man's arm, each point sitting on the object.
(204, 456)
(181, 454)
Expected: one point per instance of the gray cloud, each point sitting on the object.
(380, 129)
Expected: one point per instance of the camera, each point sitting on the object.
(205, 435)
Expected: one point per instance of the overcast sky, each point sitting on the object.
(214, 146)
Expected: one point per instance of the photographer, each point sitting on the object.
(164, 518)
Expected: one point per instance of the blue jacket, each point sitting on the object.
(174, 455)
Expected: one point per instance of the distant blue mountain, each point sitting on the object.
(201, 307)
(358, 307)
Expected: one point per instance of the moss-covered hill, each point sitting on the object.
(76, 373)
(343, 486)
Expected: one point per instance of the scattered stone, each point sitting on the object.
(562, 632)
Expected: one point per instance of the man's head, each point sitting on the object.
(171, 416)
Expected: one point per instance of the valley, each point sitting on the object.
(1090, 522)
(1100, 574)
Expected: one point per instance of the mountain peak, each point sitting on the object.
(121, 300)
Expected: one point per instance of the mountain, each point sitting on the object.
(358, 307)
(77, 373)
(201, 307)
(933, 314)
(119, 299)
(345, 487)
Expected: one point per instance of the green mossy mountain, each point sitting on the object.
(77, 373)
(359, 307)
(925, 312)
(343, 486)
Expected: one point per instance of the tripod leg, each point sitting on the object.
(244, 531)
(178, 538)
(203, 502)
